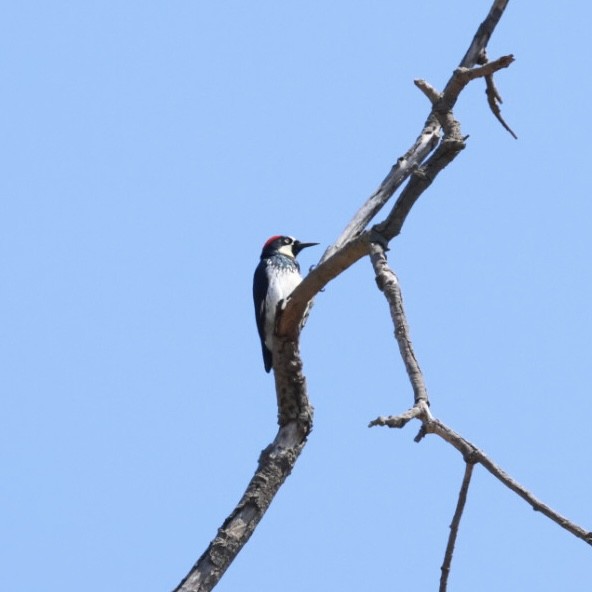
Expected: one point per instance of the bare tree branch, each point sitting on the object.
(388, 283)
(484, 33)
(275, 464)
(431, 425)
(436, 151)
(338, 259)
(494, 99)
(470, 452)
(425, 143)
(462, 76)
(460, 506)
(427, 89)
(405, 165)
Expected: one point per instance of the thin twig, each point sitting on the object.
(397, 421)
(494, 99)
(469, 451)
(460, 506)
(388, 283)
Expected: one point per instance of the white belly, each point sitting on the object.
(280, 287)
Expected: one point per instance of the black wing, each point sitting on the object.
(260, 285)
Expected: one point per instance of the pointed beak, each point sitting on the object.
(298, 246)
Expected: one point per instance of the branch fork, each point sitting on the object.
(436, 146)
(388, 283)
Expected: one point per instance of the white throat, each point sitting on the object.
(286, 250)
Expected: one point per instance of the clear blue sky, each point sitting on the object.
(148, 150)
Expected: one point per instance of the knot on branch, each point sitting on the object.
(380, 239)
(422, 175)
(471, 457)
(454, 145)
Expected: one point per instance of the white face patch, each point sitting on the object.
(287, 249)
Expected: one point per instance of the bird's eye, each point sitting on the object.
(287, 240)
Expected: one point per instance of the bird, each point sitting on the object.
(276, 276)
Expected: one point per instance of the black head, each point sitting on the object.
(286, 245)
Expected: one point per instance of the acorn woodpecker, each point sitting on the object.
(276, 276)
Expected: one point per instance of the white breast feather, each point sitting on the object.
(280, 287)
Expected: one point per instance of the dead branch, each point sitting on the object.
(354, 243)
(424, 144)
(483, 34)
(460, 506)
(428, 90)
(434, 426)
(494, 99)
(275, 464)
(388, 283)
(470, 452)
(437, 145)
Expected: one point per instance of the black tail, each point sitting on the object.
(266, 357)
